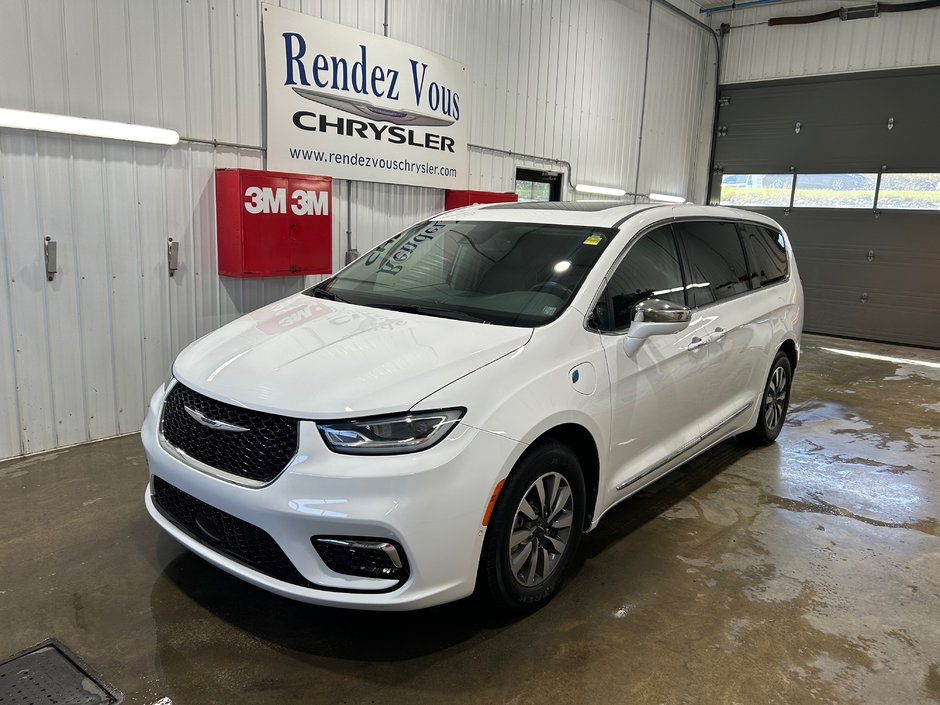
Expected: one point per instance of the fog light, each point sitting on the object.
(363, 557)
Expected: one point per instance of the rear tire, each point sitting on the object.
(773, 402)
(534, 529)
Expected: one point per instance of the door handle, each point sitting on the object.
(697, 342)
(717, 335)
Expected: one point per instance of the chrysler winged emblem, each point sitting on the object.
(373, 112)
(212, 423)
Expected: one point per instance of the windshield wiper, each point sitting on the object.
(430, 311)
(328, 295)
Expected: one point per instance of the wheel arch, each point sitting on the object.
(580, 440)
(789, 347)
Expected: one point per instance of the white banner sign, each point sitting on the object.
(355, 105)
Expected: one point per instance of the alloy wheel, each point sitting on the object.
(541, 529)
(775, 398)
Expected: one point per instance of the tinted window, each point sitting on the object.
(514, 274)
(649, 270)
(767, 254)
(716, 266)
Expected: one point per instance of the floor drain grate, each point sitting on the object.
(50, 674)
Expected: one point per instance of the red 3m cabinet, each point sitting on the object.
(272, 224)
(459, 199)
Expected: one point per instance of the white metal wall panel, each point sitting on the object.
(561, 80)
(557, 79)
(756, 52)
(677, 86)
(9, 419)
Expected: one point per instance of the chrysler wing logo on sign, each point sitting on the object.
(355, 105)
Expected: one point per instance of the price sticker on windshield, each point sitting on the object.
(594, 240)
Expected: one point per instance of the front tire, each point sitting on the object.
(773, 402)
(534, 529)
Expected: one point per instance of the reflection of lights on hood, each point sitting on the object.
(563, 266)
(885, 358)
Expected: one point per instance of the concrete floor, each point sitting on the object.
(805, 572)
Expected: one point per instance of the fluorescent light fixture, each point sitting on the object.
(70, 125)
(599, 190)
(885, 358)
(563, 266)
(665, 198)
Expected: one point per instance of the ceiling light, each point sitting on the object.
(600, 190)
(665, 198)
(70, 125)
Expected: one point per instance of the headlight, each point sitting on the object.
(388, 435)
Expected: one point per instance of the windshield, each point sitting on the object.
(516, 274)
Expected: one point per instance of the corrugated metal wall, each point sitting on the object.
(756, 52)
(673, 129)
(79, 356)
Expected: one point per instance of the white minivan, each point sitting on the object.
(451, 411)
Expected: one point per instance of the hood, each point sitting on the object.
(319, 359)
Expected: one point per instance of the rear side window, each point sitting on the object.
(650, 270)
(716, 268)
(767, 254)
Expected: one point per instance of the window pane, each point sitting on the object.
(516, 274)
(767, 253)
(914, 191)
(716, 265)
(756, 190)
(650, 270)
(835, 191)
(533, 190)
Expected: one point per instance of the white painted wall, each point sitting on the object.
(755, 52)
(79, 356)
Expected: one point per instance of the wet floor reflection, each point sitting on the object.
(803, 572)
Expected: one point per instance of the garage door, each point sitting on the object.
(850, 165)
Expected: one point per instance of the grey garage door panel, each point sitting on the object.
(883, 316)
(843, 124)
(894, 297)
(865, 274)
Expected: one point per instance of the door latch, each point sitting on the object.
(49, 251)
(172, 256)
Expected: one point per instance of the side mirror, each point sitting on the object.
(655, 317)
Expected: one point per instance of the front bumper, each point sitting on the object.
(430, 502)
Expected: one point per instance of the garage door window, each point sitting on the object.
(716, 266)
(649, 270)
(766, 254)
(770, 190)
(910, 191)
(835, 191)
